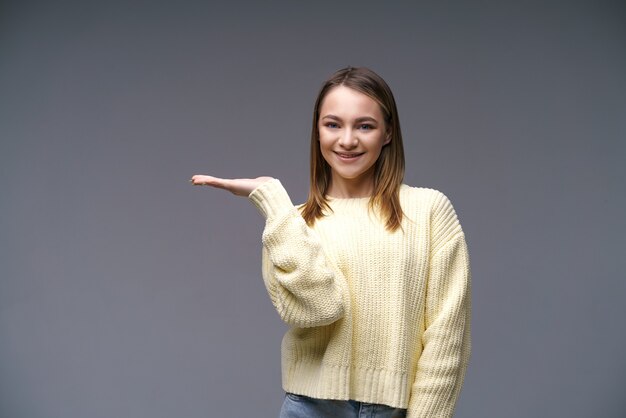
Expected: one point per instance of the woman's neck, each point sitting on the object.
(353, 188)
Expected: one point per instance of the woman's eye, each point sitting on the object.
(365, 127)
(332, 125)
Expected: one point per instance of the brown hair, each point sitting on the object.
(389, 168)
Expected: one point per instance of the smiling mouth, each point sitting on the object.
(349, 154)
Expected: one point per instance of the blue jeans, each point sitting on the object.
(300, 406)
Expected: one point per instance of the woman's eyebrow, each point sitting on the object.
(366, 119)
(357, 120)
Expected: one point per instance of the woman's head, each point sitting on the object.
(388, 170)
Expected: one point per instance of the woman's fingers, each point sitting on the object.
(240, 187)
(201, 180)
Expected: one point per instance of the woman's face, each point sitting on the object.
(352, 133)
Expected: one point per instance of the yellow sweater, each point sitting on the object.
(374, 316)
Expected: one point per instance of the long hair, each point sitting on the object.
(389, 168)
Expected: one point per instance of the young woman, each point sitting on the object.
(371, 275)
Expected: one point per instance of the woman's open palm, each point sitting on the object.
(239, 187)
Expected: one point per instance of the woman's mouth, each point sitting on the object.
(348, 156)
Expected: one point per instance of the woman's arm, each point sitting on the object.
(446, 340)
(304, 287)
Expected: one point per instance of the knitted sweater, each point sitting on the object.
(374, 316)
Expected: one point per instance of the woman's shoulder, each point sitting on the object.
(432, 200)
(421, 193)
(433, 204)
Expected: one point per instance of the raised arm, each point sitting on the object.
(304, 287)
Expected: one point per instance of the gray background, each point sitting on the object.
(125, 292)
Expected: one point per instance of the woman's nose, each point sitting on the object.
(348, 139)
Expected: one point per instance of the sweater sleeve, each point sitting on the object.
(304, 287)
(446, 339)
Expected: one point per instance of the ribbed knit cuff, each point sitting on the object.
(271, 198)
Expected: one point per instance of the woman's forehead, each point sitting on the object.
(344, 102)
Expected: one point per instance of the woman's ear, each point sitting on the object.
(387, 137)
